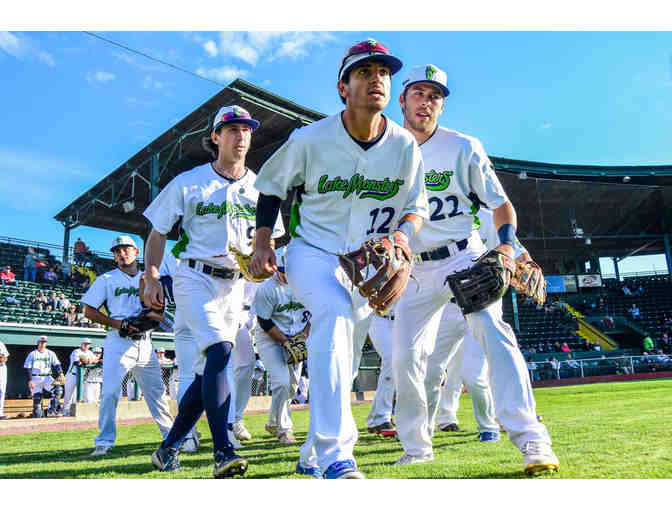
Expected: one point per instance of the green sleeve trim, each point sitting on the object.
(294, 219)
(181, 245)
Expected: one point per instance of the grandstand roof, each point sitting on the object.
(551, 199)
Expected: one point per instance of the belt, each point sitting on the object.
(246, 308)
(224, 273)
(389, 316)
(445, 251)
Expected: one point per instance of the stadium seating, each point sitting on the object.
(24, 293)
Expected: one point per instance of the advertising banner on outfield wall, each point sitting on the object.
(590, 280)
(560, 283)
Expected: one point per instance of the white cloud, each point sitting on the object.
(211, 48)
(546, 125)
(133, 102)
(99, 77)
(224, 74)
(252, 47)
(22, 47)
(150, 83)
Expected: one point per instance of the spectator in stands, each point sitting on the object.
(63, 303)
(623, 366)
(647, 343)
(555, 366)
(66, 271)
(51, 300)
(7, 277)
(565, 348)
(608, 322)
(30, 265)
(39, 301)
(532, 368)
(634, 312)
(556, 347)
(49, 276)
(82, 254)
(71, 316)
(12, 301)
(161, 354)
(597, 346)
(626, 290)
(601, 306)
(572, 366)
(661, 358)
(665, 343)
(82, 320)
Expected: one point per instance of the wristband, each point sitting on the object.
(507, 234)
(407, 228)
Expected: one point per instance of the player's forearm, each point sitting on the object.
(156, 244)
(99, 317)
(277, 335)
(413, 219)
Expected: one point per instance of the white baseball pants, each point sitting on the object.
(42, 383)
(417, 321)
(69, 392)
(283, 378)
(315, 277)
(380, 333)
(3, 387)
(121, 356)
(91, 392)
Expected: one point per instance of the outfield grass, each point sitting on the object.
(612, 430)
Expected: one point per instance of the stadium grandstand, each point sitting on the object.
(569, 216)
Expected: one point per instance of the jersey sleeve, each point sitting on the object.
(53, 359)
(167, 207)
(264, 302)
(3, 350)
(284, 170)
(483, 180)
(417, 195)
(96, 294)
(29, 361)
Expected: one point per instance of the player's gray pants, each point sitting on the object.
(70, 395)
(121, 356)
(315, 277)
(416, 325)
(284, 380)
(243, 366)
(3, 388)
(380, 333)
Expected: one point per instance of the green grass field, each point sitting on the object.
(613, 430)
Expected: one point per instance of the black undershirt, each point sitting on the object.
(367, 145)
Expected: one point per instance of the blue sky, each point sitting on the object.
(75, 107)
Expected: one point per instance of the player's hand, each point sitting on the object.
(131, 328)
(31, 385)
(152, 295)
(506, 249)
(263, 263)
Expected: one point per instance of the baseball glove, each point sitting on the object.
(244, 265)
(529, 280)
(483, 283)
(60, 380)
(84, 360)
(296, 350)
(391, 257)
(146, 320)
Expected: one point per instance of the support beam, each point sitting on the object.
(618, 275)
(154, 174)
(668, 255)
(66, 243)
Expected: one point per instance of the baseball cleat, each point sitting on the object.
(166, 460)
(228, 466)
(189, 445)
(237, 445)
(343, 470)
(406, 459)
(539, 458)
(451, 427)
(100, 450)
(241, 433)
(287, 438)
(488, 437)
(315, 472)
(384, 429)
(271, 429)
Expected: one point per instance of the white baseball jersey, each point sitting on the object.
(94, 375)
(486, 229)
(458, 175)
(276, 302)
(40, 363)
(3, 370)
(3, 351)
(351, 194)
(215, 212)
(250, 291)
(118, 291)
(75, 355)
(168, 265)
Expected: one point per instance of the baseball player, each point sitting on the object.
(216, 204)
(359, 176)
(80, 356)
(244, 361)
(118, 290)
(4, 355)
(279, 316)
(459, 178)
(379, 420)
(93, 379)
(38, 365)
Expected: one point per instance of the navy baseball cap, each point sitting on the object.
(370, 49)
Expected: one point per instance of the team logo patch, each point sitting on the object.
(430, 72)
(234, 210)
(364, 188)
(291, 306)
(438, 181)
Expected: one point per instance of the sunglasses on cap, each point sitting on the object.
(370, 46)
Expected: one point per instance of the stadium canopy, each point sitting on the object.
(567, 214)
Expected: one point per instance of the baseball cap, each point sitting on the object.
(427, 74)
(42, 339)
(160, 349)
(370, 49)
(231, 114)
(123, 241)
(86, 341)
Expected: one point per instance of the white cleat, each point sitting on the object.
(241, 433)
(100, 450)
(414, 459)
(189, 445)
(539, 458)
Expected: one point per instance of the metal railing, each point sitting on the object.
(591, 367)
(51, 247)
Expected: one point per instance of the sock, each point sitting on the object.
(189, 411)
(216, 394)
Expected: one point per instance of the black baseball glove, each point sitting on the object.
(483, 283)
(144, 321)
